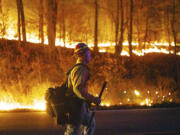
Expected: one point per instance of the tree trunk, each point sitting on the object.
(173, 24)
(168, 30)
(51, 21)
(138, 28)
(175, 41)
(130, 28)
(121, 38)
(19, 20)
(64, 30)
(117, 23)
(0, 6)
(41, 21)
(146, 32)
(117, 29)
(96, 27)
(63, 24)
(22, 20)
(121, 29)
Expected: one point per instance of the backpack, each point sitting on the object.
(66, 109)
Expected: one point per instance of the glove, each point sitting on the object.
(97, 100)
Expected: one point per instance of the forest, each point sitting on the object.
(135, 46)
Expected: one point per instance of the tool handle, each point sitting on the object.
(102, 90)
(100, 95)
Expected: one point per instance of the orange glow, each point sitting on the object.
(37, 105)
(107, 104)
(146, 102)
(36, 100)
(14, 100)
(136, 93)
(103, 47)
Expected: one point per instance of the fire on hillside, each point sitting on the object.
(113, 29)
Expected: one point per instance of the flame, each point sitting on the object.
(37, 105)
(136, 93)
(103, 47)
(107, 104)
(34, 100)
(8, 102)
(146, 102)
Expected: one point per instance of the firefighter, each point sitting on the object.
(77, 82)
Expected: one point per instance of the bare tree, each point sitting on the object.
(175, 42)
(130, 28)
(121, 39)
(167, 27)
(51, 21)
(96, 27)
(1, 17)
(21, 20)
(0, 6)
(63, 22)
(117, 25)
(140, 5)
(41, 21)
(173, 25)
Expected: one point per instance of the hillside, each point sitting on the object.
(26, 71)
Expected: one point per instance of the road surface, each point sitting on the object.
(164, 121)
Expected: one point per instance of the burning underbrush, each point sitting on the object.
(27, 71)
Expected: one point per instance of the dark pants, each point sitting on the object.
(82, 126)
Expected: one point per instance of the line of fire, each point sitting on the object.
(135, 46)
